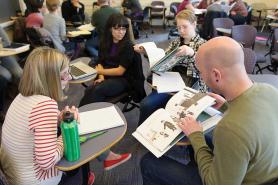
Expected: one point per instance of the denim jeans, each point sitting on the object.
(165, 171)
(151, 103)
(10, 69)
(92, 45)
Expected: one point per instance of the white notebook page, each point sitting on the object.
(100, 119)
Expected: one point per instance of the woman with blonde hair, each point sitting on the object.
(30, 147)
(188, 43)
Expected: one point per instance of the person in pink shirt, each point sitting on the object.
(34, 18)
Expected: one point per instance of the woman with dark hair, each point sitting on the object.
(115, 56)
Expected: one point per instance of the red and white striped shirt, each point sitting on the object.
(29, 140)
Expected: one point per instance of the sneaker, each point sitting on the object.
(91, 178)
(109, 164)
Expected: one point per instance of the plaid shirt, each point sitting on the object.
(189, 61)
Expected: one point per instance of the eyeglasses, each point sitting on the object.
(120, 28)
(184, 27)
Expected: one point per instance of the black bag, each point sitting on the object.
(136, 79)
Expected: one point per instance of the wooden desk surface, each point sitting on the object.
(5, 53)
(94, 147)
(224, 30)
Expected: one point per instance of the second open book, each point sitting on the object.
(160, 131)
(160, 62)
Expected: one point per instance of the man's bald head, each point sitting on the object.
(221, 53)
(221, 64)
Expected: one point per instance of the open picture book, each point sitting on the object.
(160, 131)
(159, 62)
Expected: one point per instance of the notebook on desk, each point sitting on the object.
(16, 47)
(80, 70)
(100, 119)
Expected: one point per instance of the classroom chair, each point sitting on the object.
(273, 53)
(245, 34)
(224, 22)
(249, 60)
(157, 11)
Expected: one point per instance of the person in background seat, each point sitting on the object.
(34, 17)
(238, 12)
(99, 20)
(188, 43)
(73, 11)
(115, 57)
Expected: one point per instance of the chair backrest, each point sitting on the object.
(245, 34)
(207, 30)
(157, 6)
(222, 23)
(249, 60)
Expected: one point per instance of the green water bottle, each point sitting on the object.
(70, 135)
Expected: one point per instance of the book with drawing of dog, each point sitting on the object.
(160, 130)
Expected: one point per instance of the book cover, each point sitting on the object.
(159, 62)
(159, 132)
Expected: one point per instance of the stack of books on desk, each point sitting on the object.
(17, 47)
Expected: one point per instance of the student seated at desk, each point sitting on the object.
(188, 43)
(56, 25)
(73, 11)
(133, 8)
(10, 72)
(99, 20)
(9, 67)
(115, 57)
(239, 12)
(30, 147)
(34, 17)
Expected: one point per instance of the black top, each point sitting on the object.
(71, 13)
(133, 5)
(122, 58)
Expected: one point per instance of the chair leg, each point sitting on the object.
(129, 105)
(259, 69)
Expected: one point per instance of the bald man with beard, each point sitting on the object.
(245, 140)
